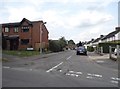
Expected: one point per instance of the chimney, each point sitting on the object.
(101, 36)
(117, 28)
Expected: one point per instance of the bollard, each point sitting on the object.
(101, 51)
(110, 51)
(118, 54)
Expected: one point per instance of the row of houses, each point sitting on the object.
(25, 34)
(113, 36)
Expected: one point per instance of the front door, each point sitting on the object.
(14, 44)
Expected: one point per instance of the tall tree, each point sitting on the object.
(79, 44)
(71, 42)
(62, 42)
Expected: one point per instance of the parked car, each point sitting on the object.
(81, 50)
(115, 51)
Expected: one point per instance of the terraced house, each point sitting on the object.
(25, 34)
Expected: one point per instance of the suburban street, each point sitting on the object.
(62, 69)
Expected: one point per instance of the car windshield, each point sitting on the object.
(81, 48)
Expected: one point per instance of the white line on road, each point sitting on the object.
(6, 67)
(54, 67)
(74, 75)
(69, 57)
(95, 75)
(75, 72)
(114, 82)
(118, 79)
(90, 77)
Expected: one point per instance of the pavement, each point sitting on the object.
(103, 60)
(95, 56)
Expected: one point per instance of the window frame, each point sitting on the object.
(6, 29)
(25, 29)
(16, 29)
(23, 41)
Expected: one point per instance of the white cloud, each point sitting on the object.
(88, 18)
(92, 33)
(16, 14)
(86, 21)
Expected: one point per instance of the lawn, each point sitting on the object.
(21, 53)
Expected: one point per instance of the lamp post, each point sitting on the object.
(41, 26)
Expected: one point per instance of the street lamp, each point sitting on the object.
(41, 24)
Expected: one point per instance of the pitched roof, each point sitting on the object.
(11, 24)
(90, 41)
(24, 19)
(112, 34)
(19, 23)
(96, 40)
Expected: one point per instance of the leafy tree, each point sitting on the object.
(57, 45)
(54, 45)
(62, 42)
(79, 44)
(71, 42)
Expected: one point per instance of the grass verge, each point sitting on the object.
(21, 53)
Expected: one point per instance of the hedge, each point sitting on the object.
(106, 46)
(90, 48)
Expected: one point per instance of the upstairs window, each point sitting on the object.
(24, 41)
(25, 29)
(6, 29)
(16, 29)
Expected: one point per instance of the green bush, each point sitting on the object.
(54, 46)
(90, 48)
(106, 46)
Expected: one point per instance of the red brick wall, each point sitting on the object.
(33, 34)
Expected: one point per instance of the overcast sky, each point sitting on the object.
(80, 20)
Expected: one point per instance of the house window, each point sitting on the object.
(16, 29)
(24, 41)
(25, 29)
(6, 29)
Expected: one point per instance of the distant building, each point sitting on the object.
(112, 36)
(25, 34)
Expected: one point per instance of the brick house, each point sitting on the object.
(25, 34)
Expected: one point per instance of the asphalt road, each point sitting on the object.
(64, 69)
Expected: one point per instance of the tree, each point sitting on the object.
(79, 44)
(54, 46)
(57, 45)
(63, 43)
(71, 42)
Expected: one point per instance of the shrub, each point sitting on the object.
(90, 48)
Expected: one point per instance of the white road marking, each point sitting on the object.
(100, 61)
(72, 74)
(95, 75)
(68, 74)
(69, 57)
(60, 70)
(75, 72)
(89, 74)
(114, 82)
(118, 79)
(30, 69)
(54, 67)
(71, 71)
(90, 77)
(6, 67)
